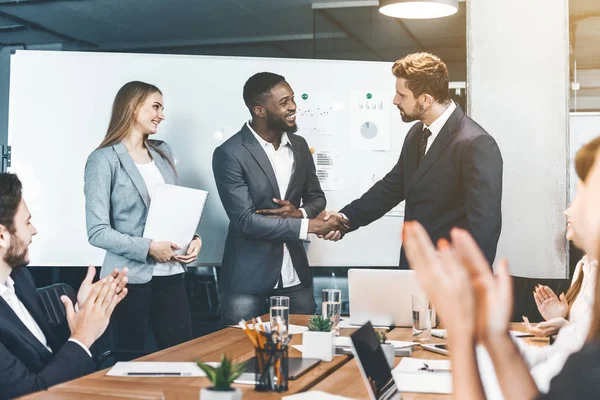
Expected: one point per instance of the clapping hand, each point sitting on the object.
(548, 304)
(547, 328)
(120, 279)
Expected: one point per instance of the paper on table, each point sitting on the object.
(346, 343)
(314, 395)
(409, 378)
(294, 329)
(345, 323)
(152, 368)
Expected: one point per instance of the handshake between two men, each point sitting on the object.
(328, 225)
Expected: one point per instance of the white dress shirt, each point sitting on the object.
(153, 178)
(7, 292)
(437, 125)
(282, 161)
(582, 306)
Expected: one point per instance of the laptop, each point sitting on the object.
(373, 366)
(382, 296)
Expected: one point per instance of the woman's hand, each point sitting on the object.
(193, 251)
(162, 251)
(548, 304)
(547, 328)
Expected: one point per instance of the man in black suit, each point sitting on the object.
(33, 354)
(449, 171)
(267, 182)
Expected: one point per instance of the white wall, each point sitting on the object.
(518, 74)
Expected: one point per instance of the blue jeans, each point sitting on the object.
(237, 306)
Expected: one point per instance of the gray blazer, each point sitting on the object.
(246, 182)
(116, 208)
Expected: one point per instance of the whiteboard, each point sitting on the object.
(583, 127)
(59, 109)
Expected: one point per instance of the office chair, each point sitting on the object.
(53, 307)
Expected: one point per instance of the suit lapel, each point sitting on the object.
(30, 301)
(261, 158)
(298, 163)
(163, 166)
(437, 147)
(132, 171)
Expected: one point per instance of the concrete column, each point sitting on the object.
(518, 76)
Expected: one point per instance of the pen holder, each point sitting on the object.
(271, 368)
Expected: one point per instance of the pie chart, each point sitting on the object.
(368, 130)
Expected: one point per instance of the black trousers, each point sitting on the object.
(236, 306)
(163, 303)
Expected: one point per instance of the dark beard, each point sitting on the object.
(416, 114)
(279, 125)
(16, 256)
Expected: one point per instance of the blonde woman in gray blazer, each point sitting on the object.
(119, 180)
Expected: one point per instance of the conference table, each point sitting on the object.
(340, 376)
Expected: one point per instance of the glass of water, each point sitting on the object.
(422, 316)
(331, 306)
(280, 313)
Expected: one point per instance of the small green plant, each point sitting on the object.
(223, 376)
(382, 337)
(319, 323)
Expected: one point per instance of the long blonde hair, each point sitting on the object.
(127, 101)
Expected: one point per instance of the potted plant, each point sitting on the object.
(222, 377)
(319, 340)
(388, 348)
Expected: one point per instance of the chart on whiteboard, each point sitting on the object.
(329, 169)
(320, 113)
(369, 120)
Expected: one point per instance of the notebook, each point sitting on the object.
(174, 215)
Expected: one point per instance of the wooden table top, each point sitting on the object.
(341, 376)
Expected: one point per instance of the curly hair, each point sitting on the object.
(424, 73)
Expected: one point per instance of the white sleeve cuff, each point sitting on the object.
(343, 215)
(304, 229)
(82, 345)
(304, 214)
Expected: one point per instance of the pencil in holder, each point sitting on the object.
(271, 368)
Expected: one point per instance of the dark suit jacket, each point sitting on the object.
(246, 183)
(25, 364)
(458, 184)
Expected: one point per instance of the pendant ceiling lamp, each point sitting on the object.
(418, 9)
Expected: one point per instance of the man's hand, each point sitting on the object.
(162, 251)
(192, 252)
(287, 210)
(87, 285)
(323, 227)
(548, 304)
(334, 236)
(93, 317)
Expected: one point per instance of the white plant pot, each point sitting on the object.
(210, 394)
(319, 345)
(389, 352)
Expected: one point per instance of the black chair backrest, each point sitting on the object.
(51, 301)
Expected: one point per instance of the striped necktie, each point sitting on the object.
(423, 145)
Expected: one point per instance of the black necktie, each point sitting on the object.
(423, 145)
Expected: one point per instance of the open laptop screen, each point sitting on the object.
(373, 363)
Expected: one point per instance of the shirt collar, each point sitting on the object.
(8, 286)
(285, 140)
(437, 125)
